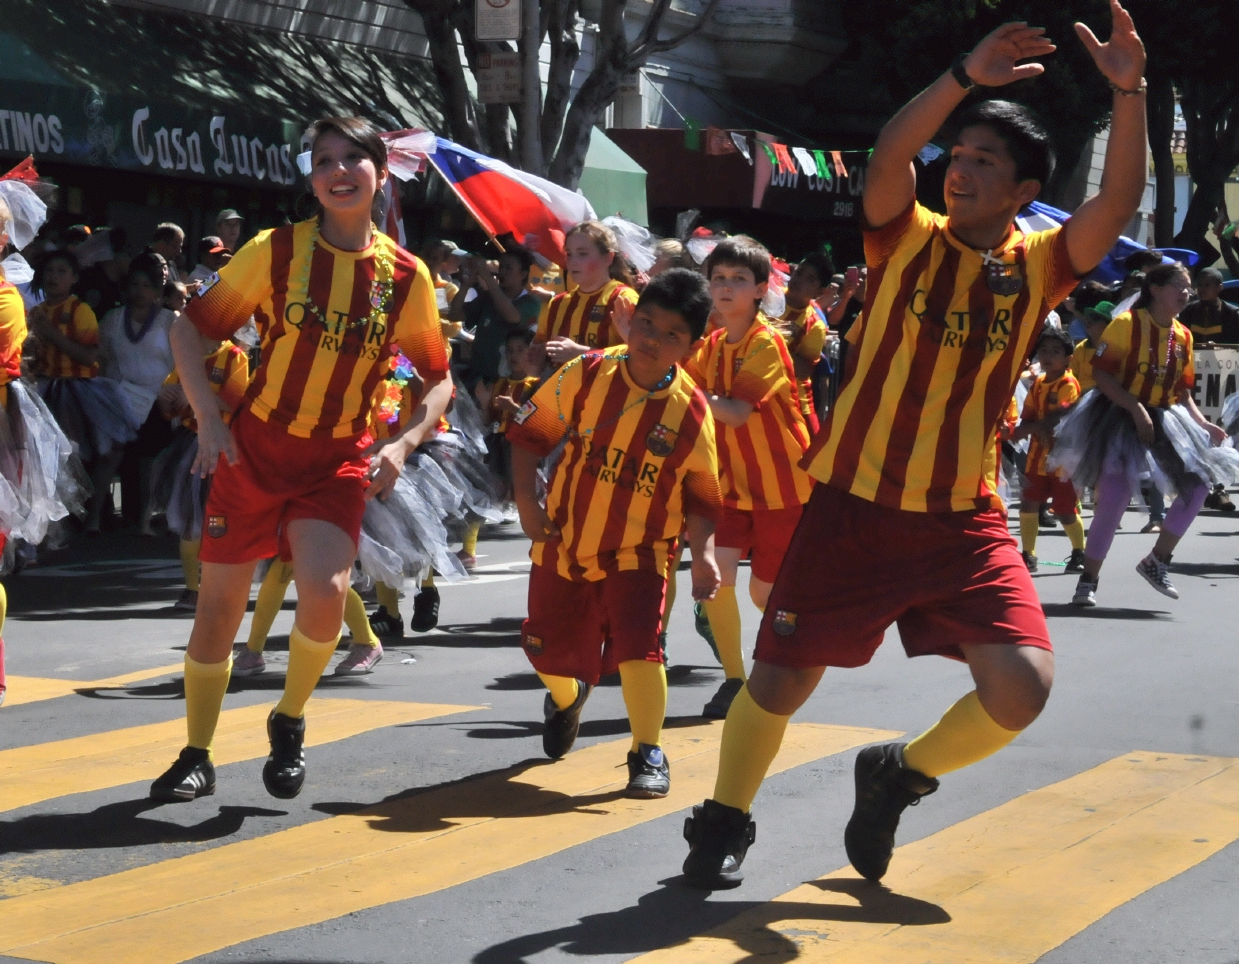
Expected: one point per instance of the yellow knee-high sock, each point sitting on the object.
(205, 685)
(644, 684)
(563, 689)
(4, 606)
(267, 605)
(964, 735)
(469, 545)
(356, 620)
(1029, 523)
(189, 562)
(429, 580)
(751, 740)
(1075, 532)
(307, 658)
(724, 615)
(388, 598)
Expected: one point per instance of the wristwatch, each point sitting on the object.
(961, 75)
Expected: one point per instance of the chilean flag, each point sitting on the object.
(503, 200)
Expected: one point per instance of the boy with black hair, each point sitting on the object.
(1053, 392)
(639, 466)
(904, 528)
(803, 327)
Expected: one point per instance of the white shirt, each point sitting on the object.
(142, 366)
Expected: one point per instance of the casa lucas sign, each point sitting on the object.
(85, 126)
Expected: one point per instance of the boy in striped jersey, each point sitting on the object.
(639, 466)
(904, 528)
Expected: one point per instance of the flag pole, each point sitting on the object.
(473, 212)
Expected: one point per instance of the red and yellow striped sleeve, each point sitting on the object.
(417, 330)
(228, 298)
(545, 418)
(234, 375)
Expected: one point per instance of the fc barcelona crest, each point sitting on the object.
(532, 644)
(381, 295)
(1004, 280)
(597, 313)
(217, 526)
(784, 622)
(661, 440)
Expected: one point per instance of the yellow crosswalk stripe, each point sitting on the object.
(179, 909)
(30, 774)
(1006, 886)
(34, 689)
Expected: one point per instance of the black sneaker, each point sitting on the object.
(1075, 562)
(649, 775)
(188, 602)
(720, 702)
(1044, 519)
(701, 623)
(718, 838)
(284, 772)
(190, 777)
(884, 789)
(388, 627)
(561, 727)
(1219, 500)
(1029, 560)
(425, 610)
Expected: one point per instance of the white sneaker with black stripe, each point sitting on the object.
(1157, 574)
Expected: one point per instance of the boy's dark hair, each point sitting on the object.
(524, 334)
(1159, 276)
(172, 286)
(1142, 261)
(683, 291)
(820, 264)
(1059, 335)
(740, 251)
(68, 257)
(520, 254)
(151, 266)
(1026, 139)
(1089, 294)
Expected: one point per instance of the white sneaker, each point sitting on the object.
(245, 662)
(360, 661)
(1086, 592)
(1157, 574)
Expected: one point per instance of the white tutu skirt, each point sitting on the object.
(1230, 415)
(481, 492)
(176, 490)
(92, 412)
(1098, 438)
(41, 480)
(406, 534)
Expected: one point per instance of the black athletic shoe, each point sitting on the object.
(649, 775)
(561, 727)
(1075, 562)
(425, 610)
(190, 777)
(720, 702)
(1030, 561)
(284, 772)
(389, 627)
(1044, 519)
(718, 838)
(884, 789)
(1219, 500)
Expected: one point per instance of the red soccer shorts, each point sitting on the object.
(766, 532)
(586, 629)
(278, 478)
(855, 567)
(1050, 488)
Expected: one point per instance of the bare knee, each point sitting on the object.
(1013, 682)
(781, 690)
(759, 592)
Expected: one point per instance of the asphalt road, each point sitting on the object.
(431, 828)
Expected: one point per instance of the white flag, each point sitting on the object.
(807, 163)
(742, 145)
(930, 153)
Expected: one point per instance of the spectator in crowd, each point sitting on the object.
(851, 300)
(168, 242)
(228, 228)
(503, 306)
(213, 254)
(443, 259)
(670, 253)
(99, 284)
(1209, 318)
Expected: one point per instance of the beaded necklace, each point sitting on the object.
(586, 433)
(146, 325)
(1154, 369)
(380, 290)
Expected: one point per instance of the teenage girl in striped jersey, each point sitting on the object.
(293, 472)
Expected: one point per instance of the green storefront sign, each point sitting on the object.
(84, 126)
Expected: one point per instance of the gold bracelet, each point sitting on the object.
(1144, 86)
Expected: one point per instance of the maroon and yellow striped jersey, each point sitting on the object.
(322, 352)
(934, 361)
(759, 460)
(584, 318)
(636, 463)
(806, 339)
(1082, 365)
(228, 371)
(1153, 363)
(1044, 397)
(517, 389)
(76, 320)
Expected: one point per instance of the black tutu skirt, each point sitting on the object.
(176, 490)
(42, 481)
(1098, 438)
(92, 412)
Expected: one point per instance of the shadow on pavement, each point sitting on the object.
(518, 729)
(683, 675)
(675, 913)
(1206, 569)
(501, 631)
(119, 824)
(1052, 610)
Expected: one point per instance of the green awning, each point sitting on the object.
(613, 182)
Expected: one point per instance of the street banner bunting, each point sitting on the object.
(742, 145)
(807, 164)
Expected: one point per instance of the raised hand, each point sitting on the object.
(993, 62)
(1121, 58)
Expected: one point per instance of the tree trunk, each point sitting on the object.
(1161, 132)
(1211, 110)
(565, 52)
(445, 56)
(531, 90)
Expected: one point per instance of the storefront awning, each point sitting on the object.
(613, 182)
(86, 82)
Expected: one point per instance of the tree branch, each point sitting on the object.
(656, 46)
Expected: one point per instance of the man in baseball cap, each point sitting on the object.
(228, 227)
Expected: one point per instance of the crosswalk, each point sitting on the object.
(1006, 885)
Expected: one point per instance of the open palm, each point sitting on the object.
(995, 60)
(1121, 58)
